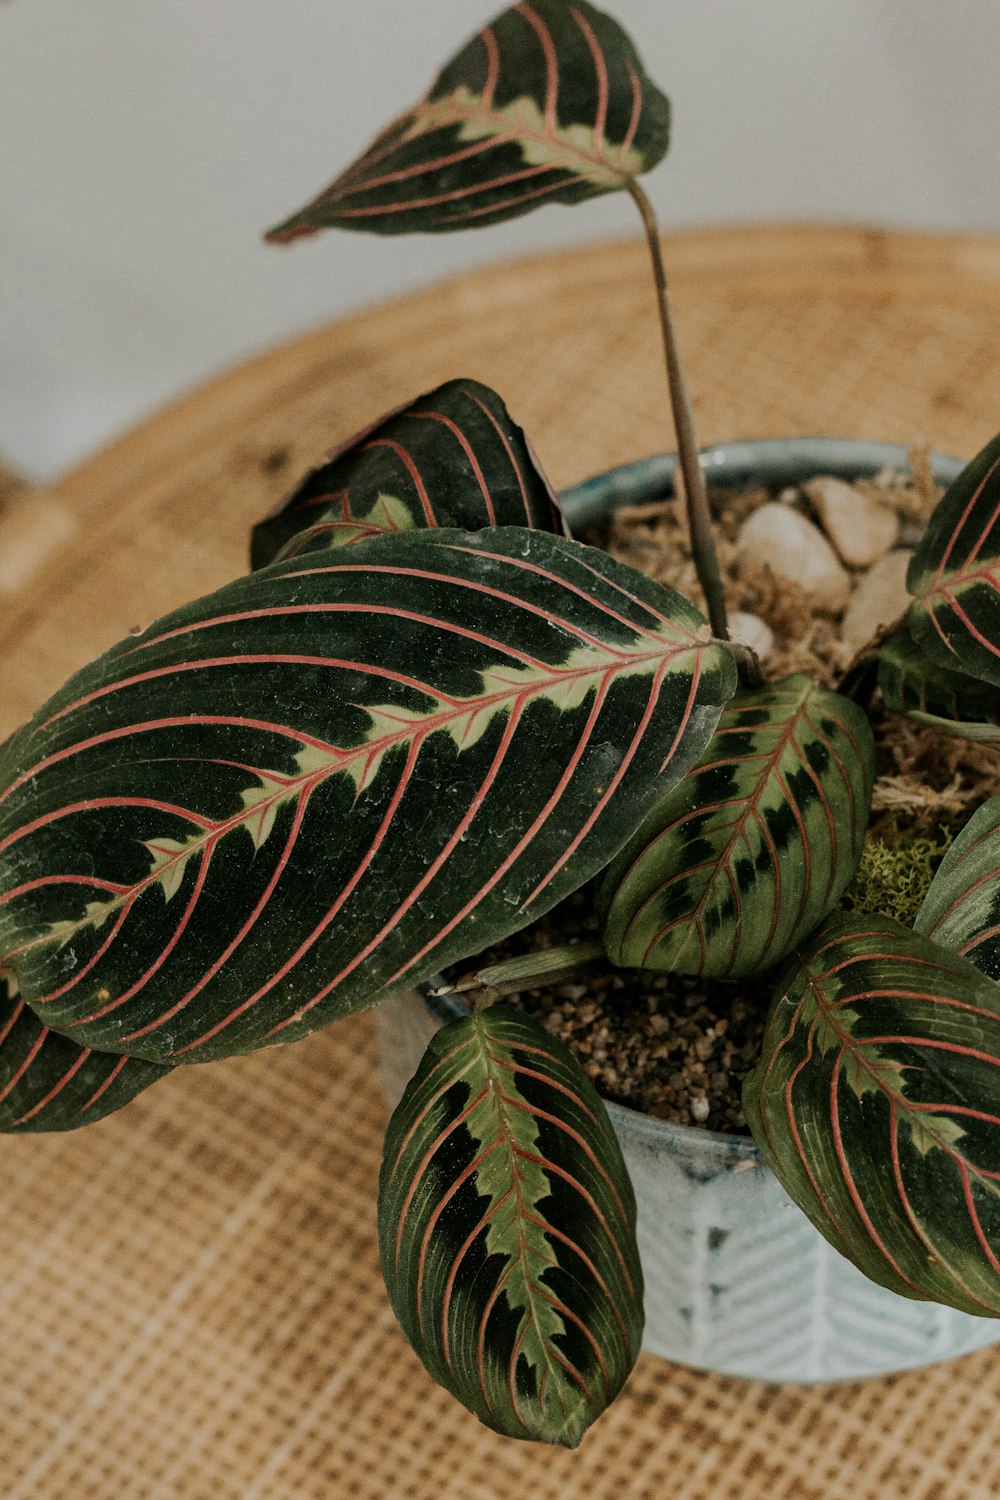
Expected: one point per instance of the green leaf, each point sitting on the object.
(955, 573)
(961, 911)
(912, 683)
(48, 1082)
(756, 844)
(451, 458)
(507, 1229)
(876, 1103)
(327, 780)
(548, 104)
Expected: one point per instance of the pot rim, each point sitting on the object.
(738, 464)
(775, 461)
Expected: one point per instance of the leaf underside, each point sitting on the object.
(912, 683)
(507, 1229)
(961, 911)
(328, 779)
(453, 457)
(955, 573)
(547, 104)
(48, 1082)
(754, 846)
(876, 1103)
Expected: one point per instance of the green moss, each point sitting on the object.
(895, 871)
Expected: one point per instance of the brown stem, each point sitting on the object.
(703, 551)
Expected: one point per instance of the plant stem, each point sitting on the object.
(527, 972)
(703, 551)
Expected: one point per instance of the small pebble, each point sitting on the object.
(861, 528)
(793, 548)
(880, 597)
(699, 1109)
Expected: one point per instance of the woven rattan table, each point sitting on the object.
(190, 1305)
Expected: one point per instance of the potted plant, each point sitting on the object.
(429, 715)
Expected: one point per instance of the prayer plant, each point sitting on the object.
(426, 717)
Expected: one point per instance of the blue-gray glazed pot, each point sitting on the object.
(737, 1278)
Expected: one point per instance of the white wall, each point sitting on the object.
(144, 144)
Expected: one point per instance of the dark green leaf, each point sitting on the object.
(961, 911)
(548, 104)
(330, 778)
(48, 1082)
(912, 683)
(507, 1229)
(955, 573)
(755, 845)
(451, 458)
(876, 1103)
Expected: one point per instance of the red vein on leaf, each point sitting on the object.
(970, 1206)
(465, 445)
(489, 41)
(429, 874)
(510, 454)
(441, 1064)
(957, 530)
(409, 464)
(848, 1176)
(98, 804)
(458, 1261)
(90, 965)
(601, 73)
(626, 761)
(417, 1175)
(111, 1078)
(16, 1077)
(56, 1089)
(548, 47)
(455, 195)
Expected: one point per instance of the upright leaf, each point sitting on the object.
(755, 845)
(876, 1103)
(48, 1082)
(961, 911)
(912, 683)
(328, 779)
(548, 104)
(507, 1229)
(955, 573)
(451, 458)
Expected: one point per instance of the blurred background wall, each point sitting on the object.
(144, 145)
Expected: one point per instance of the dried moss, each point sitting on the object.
(896, 870)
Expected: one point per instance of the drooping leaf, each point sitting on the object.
(955, 573)
(548, 104)
(877, 1103)
(328, 779)
(961, 911)
(756, 844)
(48, 1082)
(507, 1229)
(912, 683)
(451, 458)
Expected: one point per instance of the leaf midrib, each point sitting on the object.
(304, 784)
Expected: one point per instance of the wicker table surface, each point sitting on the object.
(190, 1306)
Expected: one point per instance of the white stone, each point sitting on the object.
(880, 597)
(792, 547)
(862, 529)
(752, 631)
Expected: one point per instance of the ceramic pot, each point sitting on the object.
(737, 1278)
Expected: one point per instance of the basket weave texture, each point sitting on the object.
(190, 1305)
